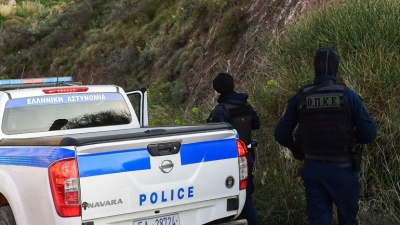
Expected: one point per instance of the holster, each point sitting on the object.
(252, 152)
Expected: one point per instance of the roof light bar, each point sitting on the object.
(45, 80)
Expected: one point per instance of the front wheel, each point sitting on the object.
(6, 216)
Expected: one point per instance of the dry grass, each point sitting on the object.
(6, 10)
(31, 9)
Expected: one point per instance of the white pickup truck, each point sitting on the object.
(85, 155)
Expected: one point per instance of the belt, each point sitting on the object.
(330, 158)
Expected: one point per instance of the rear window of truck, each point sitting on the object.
(64, 111)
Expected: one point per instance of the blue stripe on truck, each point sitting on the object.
(33, 156)
(208, 151)
(139, 159)
(115, 161)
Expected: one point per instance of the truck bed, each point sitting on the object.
(137, 176)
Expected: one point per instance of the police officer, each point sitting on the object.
(331, 119)
(234, 109)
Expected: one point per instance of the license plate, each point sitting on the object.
(162, 220)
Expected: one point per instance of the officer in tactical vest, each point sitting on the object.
(234, 109)
(331, 120)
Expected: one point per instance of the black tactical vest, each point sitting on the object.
(240, 118)
(325, 126)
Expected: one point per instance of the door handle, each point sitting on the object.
(161, 149)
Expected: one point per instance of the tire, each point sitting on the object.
(6, 216)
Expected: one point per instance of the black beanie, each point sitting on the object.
(326, 61)
(223, 83)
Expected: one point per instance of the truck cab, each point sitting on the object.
(34, 109)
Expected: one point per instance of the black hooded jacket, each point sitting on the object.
(325, 125)
(326, 63)
(238, 100)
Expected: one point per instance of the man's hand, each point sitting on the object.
(297, 153)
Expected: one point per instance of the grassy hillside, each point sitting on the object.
(365, 33)
(118, 42)
(131, 43)
(176, 47)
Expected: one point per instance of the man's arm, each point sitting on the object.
(255, 121)
(219, 114)
(284, 130)
(363, 123)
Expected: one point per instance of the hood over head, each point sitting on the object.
(326, 62)
(234, 98)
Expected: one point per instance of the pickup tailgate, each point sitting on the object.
(184, 173)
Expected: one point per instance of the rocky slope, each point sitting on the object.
(265, 18)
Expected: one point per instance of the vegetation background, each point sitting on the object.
(176, 47)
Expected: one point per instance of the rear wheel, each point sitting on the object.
(6, 216)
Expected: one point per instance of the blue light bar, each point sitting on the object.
(53, 80)
(45, 80)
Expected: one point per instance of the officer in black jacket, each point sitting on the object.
(331, 120)
(234, 109)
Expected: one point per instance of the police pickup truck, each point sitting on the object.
(85, 155)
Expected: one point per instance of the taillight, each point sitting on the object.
(243, 165)
(64, 186)
(65, 90)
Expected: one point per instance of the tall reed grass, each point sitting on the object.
(366, 34)
(31, 9)
(27, 9)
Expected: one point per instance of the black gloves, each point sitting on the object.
(297, 153)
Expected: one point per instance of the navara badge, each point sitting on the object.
(166, 166)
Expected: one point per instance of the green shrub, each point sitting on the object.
(169, 68)
(11, 23)
(2, 19)
(27, 9)
(228, 32)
